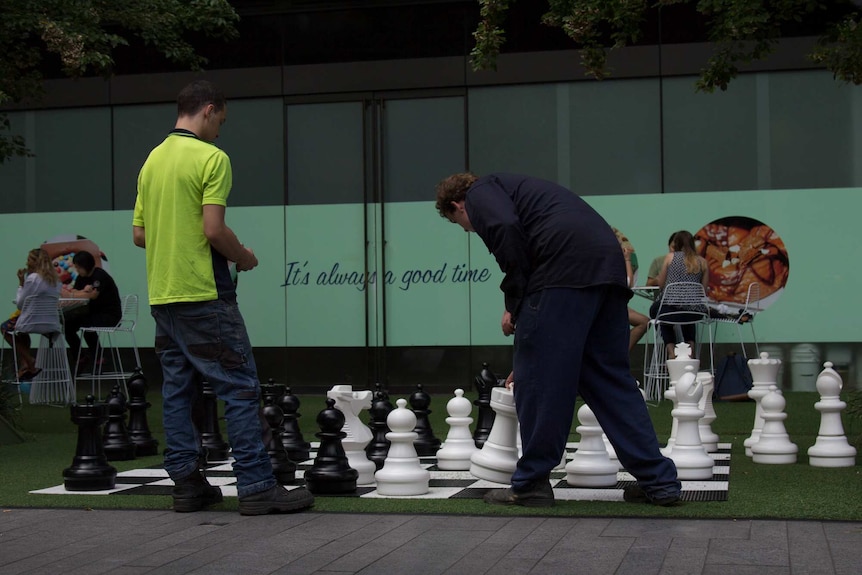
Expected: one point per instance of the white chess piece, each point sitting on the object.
(498, 457)
(773, 445)
(831, 448)
(675, 369)
(612, 453)
(402, 473)
(688, 454)
(358, 435)
(764, 374)
(707, 436)
(590, 466)
(459, 446)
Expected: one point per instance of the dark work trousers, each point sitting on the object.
(570, 341)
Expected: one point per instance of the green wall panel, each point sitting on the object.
(817, 227)
(325, 261)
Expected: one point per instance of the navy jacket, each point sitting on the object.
(543, 236)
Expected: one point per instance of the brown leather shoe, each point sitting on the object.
(276, 500)
(539, 494)
(635, 494)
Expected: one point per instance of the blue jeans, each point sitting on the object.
(570, 341)
(210, 338)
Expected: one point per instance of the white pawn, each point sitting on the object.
(688, 454)
(707, 436)
(402, 474)
(498, 457)
(459, 446)
(774, 445)
(358, 435)
(590, 466)
(831, 448)
(764, 374)
(609, 447)
(675, 369)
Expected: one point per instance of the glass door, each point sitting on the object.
(372, 273)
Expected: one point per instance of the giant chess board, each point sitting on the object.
(443, 484)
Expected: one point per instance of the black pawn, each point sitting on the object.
(90, 470)
(485, 382)
(330, 474)
(298, 449)
(282, 467)
(378, 448)
(116, 442)
(214, 447)
(379, 388)
(139, 429)
(426, 444)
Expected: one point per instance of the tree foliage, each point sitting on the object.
(742, 31)
(80, 37)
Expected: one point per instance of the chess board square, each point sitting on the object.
(61, 490)
(147, 472)
(451, 482)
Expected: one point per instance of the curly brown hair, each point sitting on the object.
(453, 189)
(43, 266)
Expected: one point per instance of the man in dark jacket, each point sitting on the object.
(565, 290)
(103, 310)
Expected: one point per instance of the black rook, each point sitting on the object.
(90, 470)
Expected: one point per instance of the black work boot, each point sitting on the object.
(193, 493)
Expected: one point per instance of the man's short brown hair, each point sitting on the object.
(453, 189)
(198, 94)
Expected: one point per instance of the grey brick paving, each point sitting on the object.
(77, 542)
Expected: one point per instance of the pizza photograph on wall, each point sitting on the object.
(740, 251)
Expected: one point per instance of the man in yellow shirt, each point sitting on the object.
(179, 219)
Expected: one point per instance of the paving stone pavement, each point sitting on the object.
(72, 542)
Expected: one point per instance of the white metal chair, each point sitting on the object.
(748, 311)
(116, 372)
(682, 303)
(54, 384)
(655, 369)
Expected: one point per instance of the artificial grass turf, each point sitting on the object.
(796, 491)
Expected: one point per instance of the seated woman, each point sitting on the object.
(638, 321)
(38, 279)
(680, 265)
(103, 310)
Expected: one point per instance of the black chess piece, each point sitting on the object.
(378, 448)
(298, 449)
(139, 429)
(330, 474)
(379, 387)
(205, 416)
(426, 443)
(282, 467)
(485, 382)
(117, 444)
(90, 470)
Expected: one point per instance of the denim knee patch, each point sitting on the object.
(208, 339)
(162, 342)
